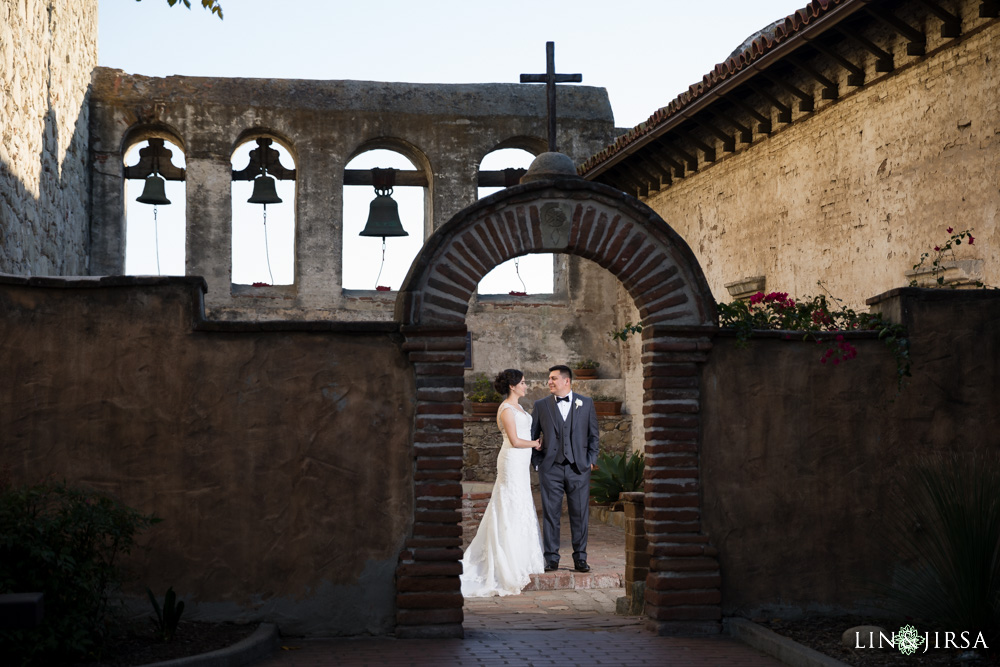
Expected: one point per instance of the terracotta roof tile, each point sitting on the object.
(769, 38)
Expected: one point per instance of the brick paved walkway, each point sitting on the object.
(556, 625)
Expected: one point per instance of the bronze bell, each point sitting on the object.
(264, 192)
(153, 192)
(383, 218)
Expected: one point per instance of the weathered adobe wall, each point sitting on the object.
(48, 49)
(280, 460)
(798, 458)
(853, 193)
(446, 130)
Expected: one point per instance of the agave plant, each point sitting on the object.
(947, 529)
(616, 473)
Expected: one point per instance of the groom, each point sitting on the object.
(568, 423)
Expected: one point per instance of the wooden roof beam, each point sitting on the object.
(659, 153)
(407, 177)
(830, 90)
(951, 25)
(692, 161)
(763, 122)
(652, 166)
(916, 41)
(644, 181)
(728, 141)
(615, 181)
(708, 151)
(883, 60)
(746, 134)
(632, 186)
(855, 76)
(784, 111)
(806, 101)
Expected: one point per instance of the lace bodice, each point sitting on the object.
(522, 422)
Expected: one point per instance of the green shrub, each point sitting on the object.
(616, 473)
(65, 542)
(167, 616)
(483, 391)
(946, 528)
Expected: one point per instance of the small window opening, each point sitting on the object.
(155, 226)
(365, 265)
(528, 274)
(263, 250)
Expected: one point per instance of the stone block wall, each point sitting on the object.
(483, 441)
(48, 49)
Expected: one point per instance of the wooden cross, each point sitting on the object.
(550, 79)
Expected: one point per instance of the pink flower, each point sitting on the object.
(937, 249)
(949, 230)
(971, 239)
(757, 298)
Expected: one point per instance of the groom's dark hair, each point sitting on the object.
(565, 370)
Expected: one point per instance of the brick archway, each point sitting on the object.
(663, 277)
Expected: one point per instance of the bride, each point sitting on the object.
(507, 548)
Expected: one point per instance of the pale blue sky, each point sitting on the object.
(644, 53)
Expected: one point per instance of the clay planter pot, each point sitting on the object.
(585, 373)
(608, 408)
(485, 409)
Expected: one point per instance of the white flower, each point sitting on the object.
(579, 403)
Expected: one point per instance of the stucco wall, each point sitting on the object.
(854, 192)
(798, 457)
(48, 49)
(279, 459)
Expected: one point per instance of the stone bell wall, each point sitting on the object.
(48, 49)
(278, 456)
(799, 458)
(444, 129)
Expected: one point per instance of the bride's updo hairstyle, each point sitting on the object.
(507, 379)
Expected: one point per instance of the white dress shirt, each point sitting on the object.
(565, 405)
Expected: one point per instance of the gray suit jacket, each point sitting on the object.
(583, 431)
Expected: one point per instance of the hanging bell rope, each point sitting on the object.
(517, 270)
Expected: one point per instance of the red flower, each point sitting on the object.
(949, 230)
(937, 249)
(971, 239)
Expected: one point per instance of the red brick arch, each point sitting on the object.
(663, 277)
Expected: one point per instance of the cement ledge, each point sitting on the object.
(782, 648)
(257, 646)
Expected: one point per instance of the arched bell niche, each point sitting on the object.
(571, 216)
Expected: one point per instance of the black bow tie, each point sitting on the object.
(562, 398)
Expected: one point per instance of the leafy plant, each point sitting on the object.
(946, 525)
(601, 398)
(616, 473)
(817, 321)
(627, 330)
(587, 363)
(168, 616)
(483, 391)
(938, 256)
(66, 542)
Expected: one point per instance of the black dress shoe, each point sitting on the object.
(581, 566)
(551, 566)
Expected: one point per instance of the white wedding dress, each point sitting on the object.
(507, 548)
